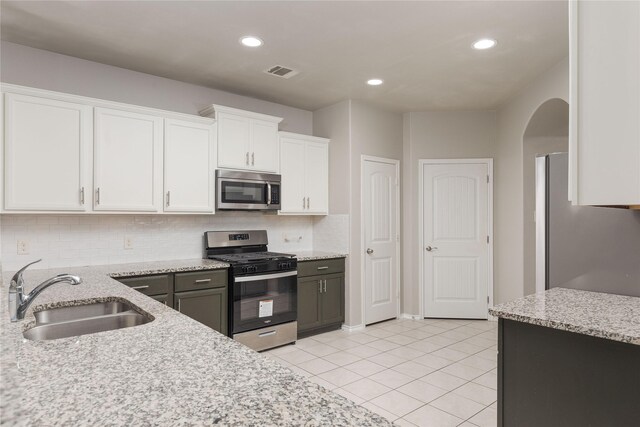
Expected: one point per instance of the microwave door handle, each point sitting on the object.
(268, 194)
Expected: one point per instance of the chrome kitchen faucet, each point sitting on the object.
(19, 302)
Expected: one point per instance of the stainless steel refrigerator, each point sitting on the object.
(582, 247)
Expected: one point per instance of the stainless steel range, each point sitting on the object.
(262, 288)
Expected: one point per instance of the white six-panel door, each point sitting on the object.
(47, 149)
(455, 242)
(380, 228)
(127, 161)
(189, 166)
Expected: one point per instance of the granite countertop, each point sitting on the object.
(317, 255)
(613, 317)
(171, 371)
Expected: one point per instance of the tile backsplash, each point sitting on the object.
(76, 240)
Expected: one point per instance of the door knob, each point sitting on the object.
(429, 248)
(369, 251)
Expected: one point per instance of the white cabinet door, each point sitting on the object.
(605, 103)
(189, 166)
(47, 145)
(317, 177)
(233, 141)
(127, 161)
(264, 146)
(292, 171)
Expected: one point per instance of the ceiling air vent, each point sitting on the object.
(281, 71)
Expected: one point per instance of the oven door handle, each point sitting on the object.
(265, 276)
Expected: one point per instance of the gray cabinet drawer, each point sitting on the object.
(200, 280)
(320, 267)
(149, 285)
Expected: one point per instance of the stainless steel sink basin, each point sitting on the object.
(63, 322)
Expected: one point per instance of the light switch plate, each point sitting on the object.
(128, 242)
(23, 247)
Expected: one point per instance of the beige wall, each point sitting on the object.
(435, 135)
(355, 129)
(508, 214)
(41, 69)
(334, 122)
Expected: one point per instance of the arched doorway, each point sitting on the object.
(547, 132)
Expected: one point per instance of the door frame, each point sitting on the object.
(365, 158)
(422, 163)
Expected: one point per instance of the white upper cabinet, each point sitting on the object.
(189, 166)
(47, 154)
(304, 166)
(246, 140)
(127, 161)
(605, 103)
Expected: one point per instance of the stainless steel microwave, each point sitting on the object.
(247, 191)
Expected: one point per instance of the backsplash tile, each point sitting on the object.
(331, 233)
(77, 240)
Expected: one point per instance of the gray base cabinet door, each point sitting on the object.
(309, 311)
(333, 300)
(208, 307)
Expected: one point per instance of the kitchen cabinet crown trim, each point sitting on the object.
(309, 138)
(96, 102)
(213, 109)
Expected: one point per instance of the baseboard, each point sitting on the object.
(355, 328)
(410, 316)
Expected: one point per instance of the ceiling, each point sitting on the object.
(421, 49)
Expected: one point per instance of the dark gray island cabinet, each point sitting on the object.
(569, 358)
(320, 296)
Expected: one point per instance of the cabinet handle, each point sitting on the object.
(266, 334)
(308, 202)
(168, 198)
(303, 203)
(325, 286)
(320, 286)
(325, 267)
(247, 158)
(98, 196)
(165, 303)
(202, 281)
(137, 288)
(179, 301)
(253, 158)
(82, 195)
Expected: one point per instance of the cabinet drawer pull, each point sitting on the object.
(326, 267)
(266, 334)
(202, 281)
(140, 287)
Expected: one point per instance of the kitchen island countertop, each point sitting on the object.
(171, 371)
(602, 315)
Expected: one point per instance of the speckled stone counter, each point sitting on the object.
(601, 315)
(317, 255)
(171, 371)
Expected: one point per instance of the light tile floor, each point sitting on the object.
(413, 372)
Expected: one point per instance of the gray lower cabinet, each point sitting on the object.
(320, 296)
(201, 295)
(208, 307)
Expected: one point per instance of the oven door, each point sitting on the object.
(264, 300)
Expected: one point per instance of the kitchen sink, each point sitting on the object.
(64, 322)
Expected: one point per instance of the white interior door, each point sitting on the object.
(380, 223)
(456, 239)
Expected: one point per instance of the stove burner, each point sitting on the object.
(248, 257)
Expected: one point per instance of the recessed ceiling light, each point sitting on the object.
(483, 44)
(251, 41)
(374, 82)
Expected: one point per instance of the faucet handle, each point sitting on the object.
(17, 280)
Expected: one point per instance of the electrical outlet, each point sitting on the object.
(23, 247)
(128, 242)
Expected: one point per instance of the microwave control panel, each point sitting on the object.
(275, 194)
